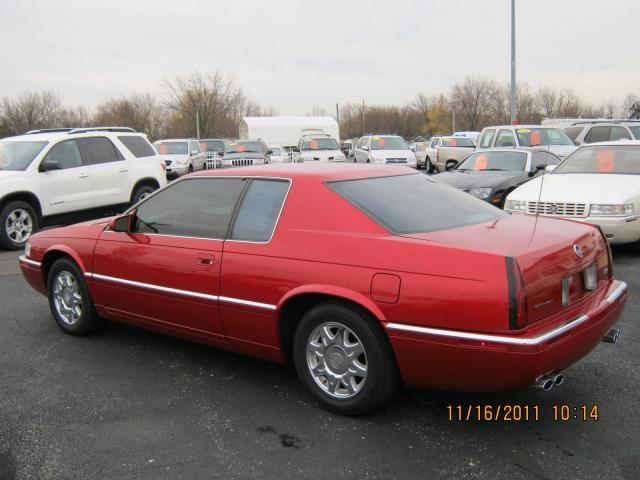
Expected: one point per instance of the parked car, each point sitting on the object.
(471, 135)
(56, 175)
(278, 155)
(390, 149)
(213, 149)
(594, 132)
(419, 149)
(346, 147)
(318, 147)
(510, 136)
(325, 266)
(242, 153)
(491, 175)
(445, 152)
(597, 184)
(181, 155)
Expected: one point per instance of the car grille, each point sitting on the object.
(213, 159)
(242, 162)
(396, 160)
(559, 209)
(293, 160)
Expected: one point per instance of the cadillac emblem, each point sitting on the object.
(578, 251)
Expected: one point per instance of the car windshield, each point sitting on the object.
(18, 155)
(636, 132)
(245, 147)
(492, 161)
(212, 145)
(456, 142)
(623, 160)
(388, 143)
(533, 137)
(172, 148)
(320, 143)
(387, 199)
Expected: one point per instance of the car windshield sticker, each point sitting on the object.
(535, 139)
(454, 143)
(481, 162)
(523, 130)
(240, 148)
(163, 149)
(380, 142)
(604, 160)
(313, 144)
(203, 147)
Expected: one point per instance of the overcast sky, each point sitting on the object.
(297, 54)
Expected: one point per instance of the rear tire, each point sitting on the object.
(344, 359)
(69, 299)
(142, 192)
(18, 221)
(429, 166)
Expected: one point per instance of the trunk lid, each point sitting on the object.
(545, 251)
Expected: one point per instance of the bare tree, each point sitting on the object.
(139, 111)
(30, 110)
(470, 98)
(317, 111)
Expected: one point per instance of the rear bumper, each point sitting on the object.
(469, 361)
(176, 172)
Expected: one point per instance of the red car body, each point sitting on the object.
(445, 298)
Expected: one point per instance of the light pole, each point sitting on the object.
(514, 100)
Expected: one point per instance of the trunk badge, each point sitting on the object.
(578, 251)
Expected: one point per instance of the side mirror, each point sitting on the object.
(365, 148)
(47, 165)
(221, 154)
(541, 166)
(450, 166)
(269, 152)
(123, 223)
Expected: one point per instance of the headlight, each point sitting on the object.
(481, 193)
(27, 249)
(517, 205)
(612, 210)
(182, 163)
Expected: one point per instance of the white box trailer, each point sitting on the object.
(286, 131)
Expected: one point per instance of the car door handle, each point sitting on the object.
(205, 260)
(122, 170)
(83, 175)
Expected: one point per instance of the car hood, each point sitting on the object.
(321, 154)
(90, 230)
(580, 188)
(562, 150)
(173, 156)
(475, 179)
(392, 154)
(9, 175)
(231, 156)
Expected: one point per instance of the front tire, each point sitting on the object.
(429, 166)
(69, 299)
(18, 221)
(344, 359)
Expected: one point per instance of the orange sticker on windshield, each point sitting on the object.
(313, 145)
(454, 143)
(203, 146)
(535, 139)
(163, 149)
(381, 142)
(604, 160)
(240, 148)
(481, 162)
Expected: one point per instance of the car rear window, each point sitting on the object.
(391, 201)
(138, 146)
(456, 142)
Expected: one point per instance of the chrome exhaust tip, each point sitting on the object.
(545, 384)
(612, 336)
(558, 379)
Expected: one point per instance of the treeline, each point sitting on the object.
(217, 103)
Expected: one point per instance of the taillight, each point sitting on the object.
(518, 316)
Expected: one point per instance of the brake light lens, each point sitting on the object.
(590, 276)
(518, 316)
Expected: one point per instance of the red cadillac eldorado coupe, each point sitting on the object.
(333, 268)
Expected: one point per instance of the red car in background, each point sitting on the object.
(331, 267)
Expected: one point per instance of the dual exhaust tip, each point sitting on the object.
(550, 381)
(547, 382)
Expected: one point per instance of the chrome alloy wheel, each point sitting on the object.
(19, 225)
(336, 360)
(144, 196)
(67, 298)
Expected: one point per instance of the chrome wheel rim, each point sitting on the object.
(143, 196)
(19, 225)
(336, 360)
(67, 298)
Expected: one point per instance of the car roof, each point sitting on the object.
(616, 143)
(507, 149)
(175, 140)
(48, 136)
(517, 127)
(320, 171)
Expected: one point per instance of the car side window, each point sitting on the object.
(138, 146)
(544, 158)
(66, 154)
(487, 138)
(505, 139)
(199, 207)
(260, 209)
(573, 132)
(619, 133)
(100, 150)
(598, 134)
(193, 147)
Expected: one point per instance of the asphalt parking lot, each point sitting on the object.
(128, 403)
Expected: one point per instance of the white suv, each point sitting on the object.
(49, 175)
(181, 156)
(384, 149)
